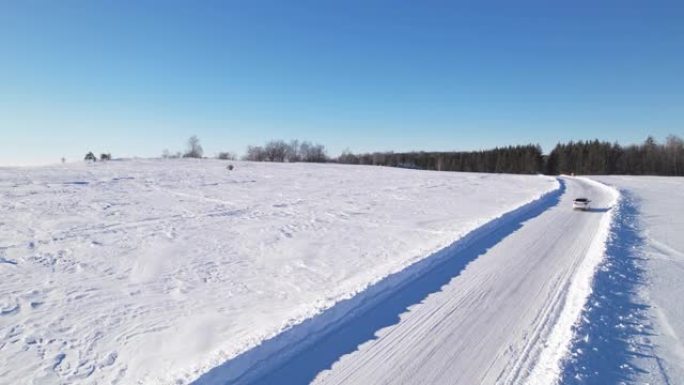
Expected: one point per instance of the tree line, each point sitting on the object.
(294, 151)
(581, 157)
(595, 157)
(524, 159)
(271, 151)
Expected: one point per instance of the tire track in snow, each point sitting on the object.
(313, 345)
(489, 324)
(547, 369)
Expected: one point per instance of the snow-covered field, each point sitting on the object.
(156, 271)
(659, 243)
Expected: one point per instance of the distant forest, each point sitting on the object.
(583, 157)
(513, 159)
(594, 157)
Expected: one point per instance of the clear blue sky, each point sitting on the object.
(135, 77)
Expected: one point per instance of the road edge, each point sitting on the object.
(548, 366)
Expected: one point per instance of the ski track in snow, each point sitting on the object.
(156, 271)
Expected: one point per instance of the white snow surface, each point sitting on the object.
(661, 220)
(507, 317)
(156, 271)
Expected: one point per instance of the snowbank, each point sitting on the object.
(659, 209)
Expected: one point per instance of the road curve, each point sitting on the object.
(489, 324)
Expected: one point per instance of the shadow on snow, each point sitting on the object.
(301, 352)
(614, 328)
(598, 209)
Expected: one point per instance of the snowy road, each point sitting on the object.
(505, 318)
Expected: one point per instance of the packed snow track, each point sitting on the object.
(502, 315)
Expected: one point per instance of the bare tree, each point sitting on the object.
(255, 153)
(276, 151)
(313, 152)
(293, 153)
(194, 148)
(348, 157)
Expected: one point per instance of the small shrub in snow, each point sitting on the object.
(226, 156)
